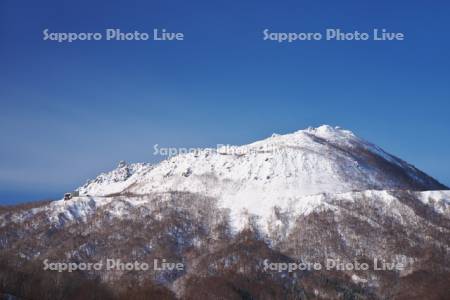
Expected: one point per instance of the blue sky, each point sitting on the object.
(70, 111)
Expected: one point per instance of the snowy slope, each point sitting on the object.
(114, 181)
(311, 161)
(276, 171)
(266, 216)
(313, 194)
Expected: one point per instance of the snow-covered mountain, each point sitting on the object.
(316, 194)
(311, 161)
(277, 171)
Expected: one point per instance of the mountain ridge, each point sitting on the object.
(309, 143)
(274, 172)
(313, 195)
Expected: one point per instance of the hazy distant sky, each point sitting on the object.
(70, 111)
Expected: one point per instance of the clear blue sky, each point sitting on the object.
(70, 111)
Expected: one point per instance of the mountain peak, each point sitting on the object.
(329, 132)
(323, 128)
(318, 160)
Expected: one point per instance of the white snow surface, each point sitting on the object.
(291, 171)
(307, 162)
(115, 181)
(79, 208)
